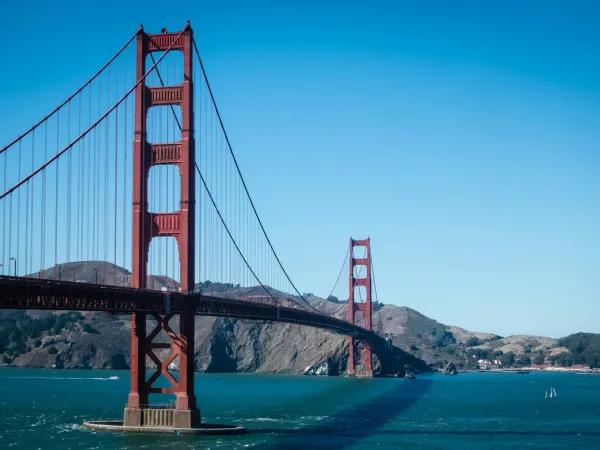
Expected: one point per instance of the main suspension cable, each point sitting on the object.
(92, 126)
(212, 200)
(340, 272)
(81, 88)
(343, 305)
(230, 148)
(376, 294)
(230, 235)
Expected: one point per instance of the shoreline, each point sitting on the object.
(525, 370)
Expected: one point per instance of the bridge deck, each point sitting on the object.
(34, 293)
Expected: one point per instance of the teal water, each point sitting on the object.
(45, 408)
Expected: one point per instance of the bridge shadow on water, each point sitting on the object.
(345, 428)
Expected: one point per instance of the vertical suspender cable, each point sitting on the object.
(18, 214)
(125, 170)
(106, 165)
(78, 188)
(68, 216)
(31, 206)
(241, 177)
(55, 158)
(115, 185)
(26, 237)
(56, 196)
(43, 221)
(4, 218)
(83, 86)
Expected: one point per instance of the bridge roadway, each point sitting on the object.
(35, 293)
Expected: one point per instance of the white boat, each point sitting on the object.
(113, 377)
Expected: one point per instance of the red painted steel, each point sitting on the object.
(179, 225)
(365, 356)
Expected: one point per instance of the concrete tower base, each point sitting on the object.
(163, 420)
(161, 417)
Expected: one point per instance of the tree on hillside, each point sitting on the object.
(507, 359)
(562, 359)
(584, 348)
(472, 341)
(539, 357)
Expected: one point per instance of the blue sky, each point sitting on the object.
(462, 139)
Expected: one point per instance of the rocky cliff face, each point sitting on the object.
(222, 345)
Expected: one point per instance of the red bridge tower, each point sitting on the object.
(359, 351)
(146, 225)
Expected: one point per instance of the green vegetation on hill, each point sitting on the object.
(16, 327)
(584, 348)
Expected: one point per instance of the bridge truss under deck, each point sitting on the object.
(34, 293)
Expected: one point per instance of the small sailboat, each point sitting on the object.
(550, 394)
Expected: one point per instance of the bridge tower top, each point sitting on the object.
(359, 301)
(178, 224)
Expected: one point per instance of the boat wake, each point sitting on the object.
(111, 378)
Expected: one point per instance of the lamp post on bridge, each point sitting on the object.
(12, 258)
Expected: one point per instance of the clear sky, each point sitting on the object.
(463, 139)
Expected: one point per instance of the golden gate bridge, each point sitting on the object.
(135, 168)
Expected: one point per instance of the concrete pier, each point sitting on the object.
(204, 428)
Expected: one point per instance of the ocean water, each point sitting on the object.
(45, 409)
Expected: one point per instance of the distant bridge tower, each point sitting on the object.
(359, 351)
(146, 225)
